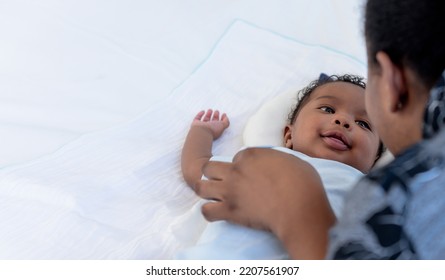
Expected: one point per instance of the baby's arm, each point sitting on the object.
(197, 151)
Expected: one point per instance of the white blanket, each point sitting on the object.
(77, 66)
(119, 193)
(223, 240)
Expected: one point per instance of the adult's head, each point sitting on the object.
(405, 42)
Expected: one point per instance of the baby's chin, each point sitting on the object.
(343, 159)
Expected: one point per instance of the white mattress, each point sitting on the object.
(71, 67)
(96, 98)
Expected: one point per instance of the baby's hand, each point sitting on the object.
(212, 121)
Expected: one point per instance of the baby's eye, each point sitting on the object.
(364, 124)
(327, 109)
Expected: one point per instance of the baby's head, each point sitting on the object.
(330, 121)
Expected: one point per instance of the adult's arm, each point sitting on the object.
(271, 190)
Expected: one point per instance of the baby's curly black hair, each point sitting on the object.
(303, 96)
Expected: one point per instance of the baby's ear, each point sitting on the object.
(287, 139)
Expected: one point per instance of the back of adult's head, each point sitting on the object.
(411, 32)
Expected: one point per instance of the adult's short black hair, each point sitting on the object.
(411, 32)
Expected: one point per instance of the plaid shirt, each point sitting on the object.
(397, 211)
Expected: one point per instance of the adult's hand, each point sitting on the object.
(271, 190)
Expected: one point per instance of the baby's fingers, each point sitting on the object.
(215, 116)
(225, 119)
(208, 115)
(198, 116)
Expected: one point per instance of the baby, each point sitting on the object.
(329, 128)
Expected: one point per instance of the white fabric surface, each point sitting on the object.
(119, 193)
(75, 66)
(223, 240)
(266, 126)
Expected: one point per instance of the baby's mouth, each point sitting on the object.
(337, 141)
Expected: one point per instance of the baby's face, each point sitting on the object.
(334, 125)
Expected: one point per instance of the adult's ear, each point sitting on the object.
(393, 83)
(287, 138)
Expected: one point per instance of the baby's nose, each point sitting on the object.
(342, 122)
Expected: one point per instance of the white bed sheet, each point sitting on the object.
(75, 66)
(119, 193)
(69, 68)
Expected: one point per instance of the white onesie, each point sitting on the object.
(224, 240)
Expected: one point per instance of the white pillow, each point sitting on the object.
(266, 126)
